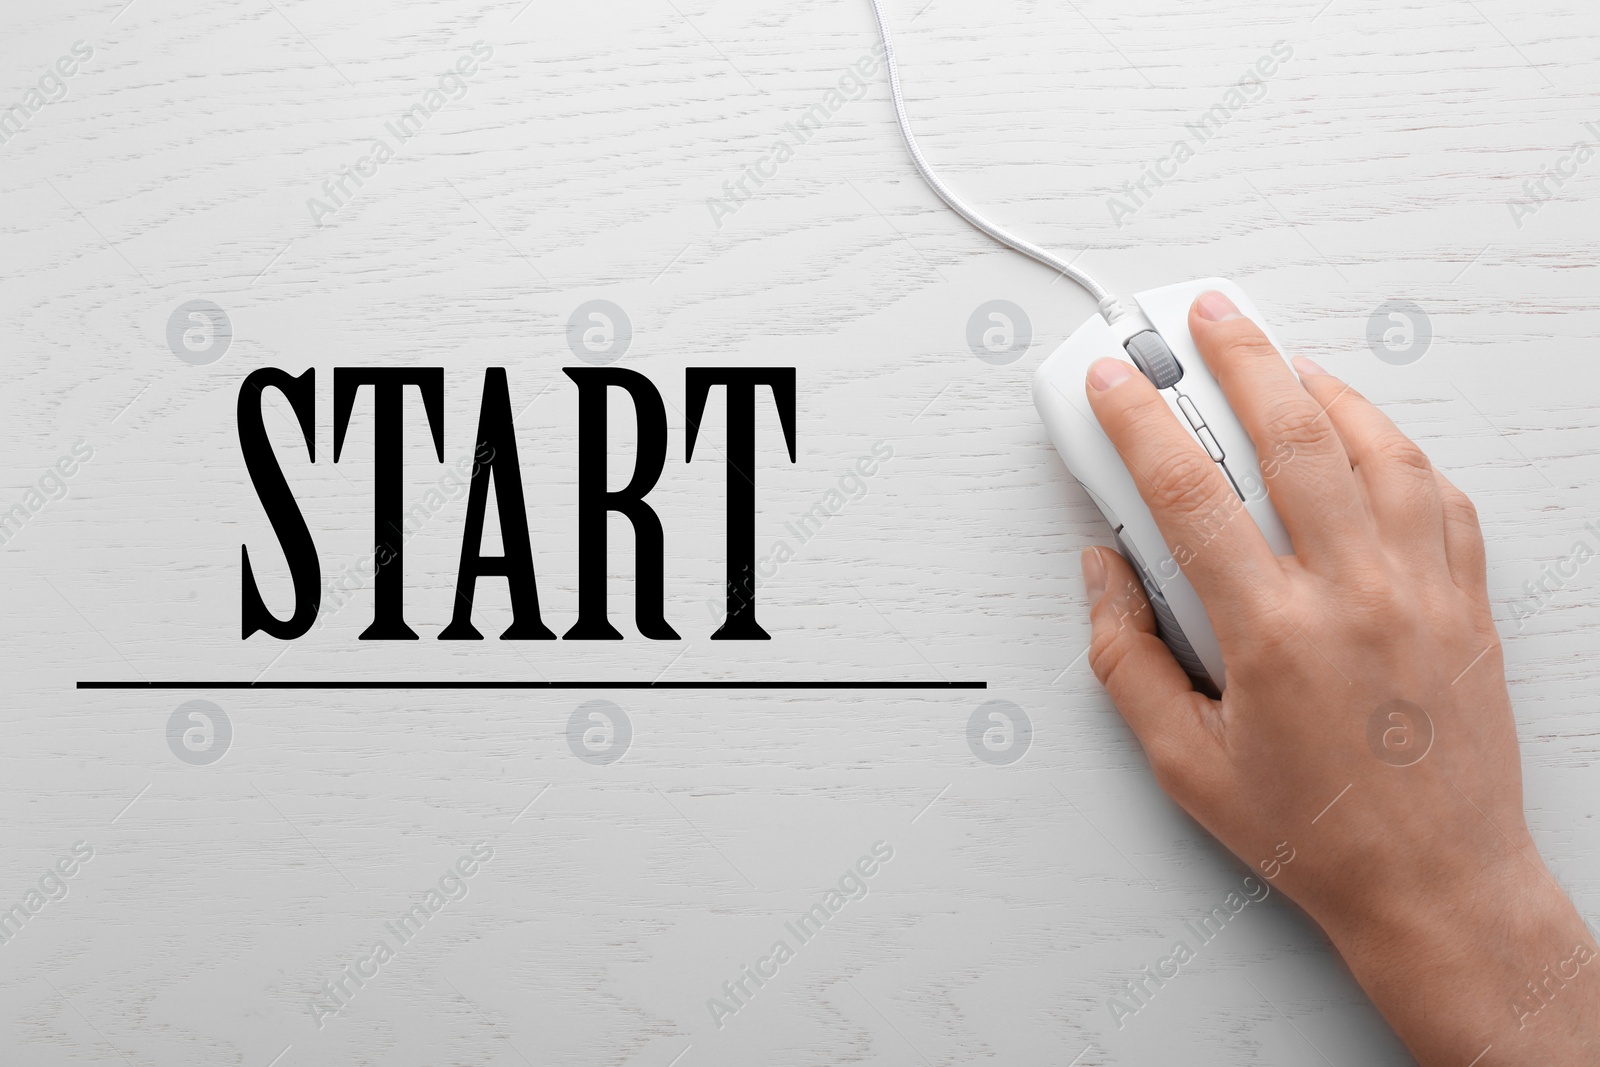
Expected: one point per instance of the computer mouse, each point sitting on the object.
(1153, 335)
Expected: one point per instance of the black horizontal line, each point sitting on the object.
(474, 684)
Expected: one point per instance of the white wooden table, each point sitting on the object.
(577, 163)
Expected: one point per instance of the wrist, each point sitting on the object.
(1499, 961)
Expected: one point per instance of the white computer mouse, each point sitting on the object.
(1183, 378)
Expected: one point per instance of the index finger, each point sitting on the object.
(1211, 535)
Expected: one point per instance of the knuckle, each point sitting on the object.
(1487, 639)
(1183, 487)
(1250, 344)
(1109, 649)
(1370, 592)
(1377, 609)
(1129, 603)
(1399, 452)
(1299, 425)
(1458, 507)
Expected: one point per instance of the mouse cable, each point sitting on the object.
(1109, 305)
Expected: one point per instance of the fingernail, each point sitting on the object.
(1107, 373)
(1216, 307)
(1094, 575)
(1307, 366)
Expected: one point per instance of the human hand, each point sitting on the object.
(1366, 729)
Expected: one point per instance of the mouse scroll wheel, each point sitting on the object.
(1151, 354)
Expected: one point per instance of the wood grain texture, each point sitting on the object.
(578, 165)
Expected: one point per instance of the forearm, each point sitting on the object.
(1497, 972)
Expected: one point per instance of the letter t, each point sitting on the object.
(740, 624)
(388, 535)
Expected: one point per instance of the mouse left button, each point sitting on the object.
(1152, 356)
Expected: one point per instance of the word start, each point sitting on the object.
(496, 462)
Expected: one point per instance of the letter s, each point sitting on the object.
(83, 850)
(482, 50)
(883, 850)
(287, 521)
(83, 49)
(483, 851)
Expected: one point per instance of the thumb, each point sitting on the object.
(1151, 691)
